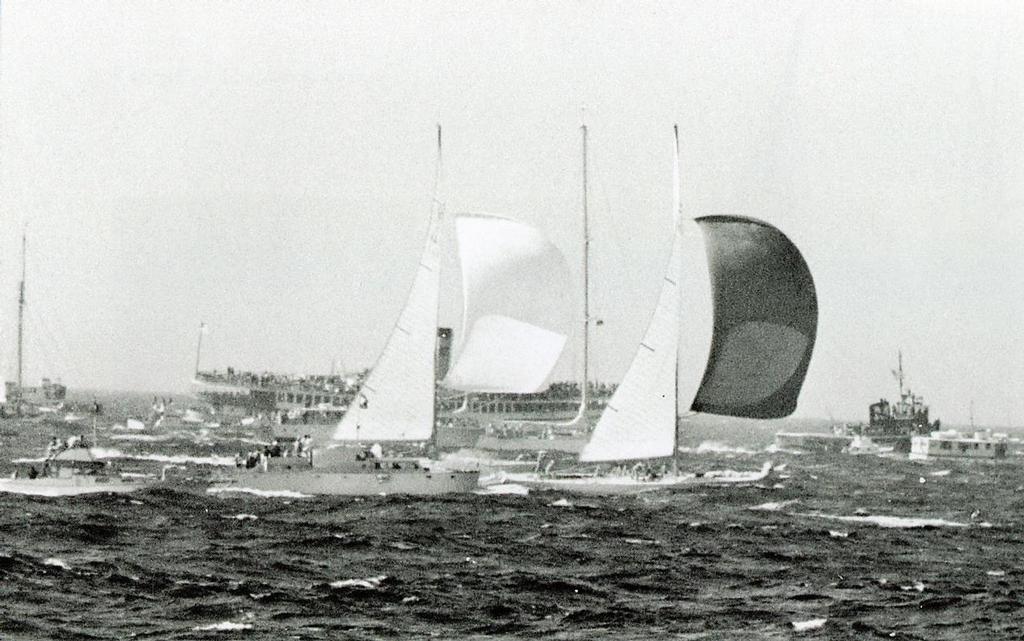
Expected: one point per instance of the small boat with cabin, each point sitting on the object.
(70, 472)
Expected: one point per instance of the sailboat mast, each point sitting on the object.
(21, 314)
(899, 371)
(585, 394)
(199, 345)
(677, 223)
(435, 224)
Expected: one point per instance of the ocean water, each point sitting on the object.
(831, 548)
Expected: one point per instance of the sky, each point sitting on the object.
(267, 168)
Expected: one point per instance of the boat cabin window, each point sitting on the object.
(946, 445)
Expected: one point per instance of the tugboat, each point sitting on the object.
(889, 425)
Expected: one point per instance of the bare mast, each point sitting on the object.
(677, 222)
(21, 316)
(585, 394)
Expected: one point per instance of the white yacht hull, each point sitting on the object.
(617, 485)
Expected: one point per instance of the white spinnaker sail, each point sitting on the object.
(396, 403)
(516, 321)
(639, 421)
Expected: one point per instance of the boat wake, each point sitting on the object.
(714, 447)
(174, 459)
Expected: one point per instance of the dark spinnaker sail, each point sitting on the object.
(765, 320)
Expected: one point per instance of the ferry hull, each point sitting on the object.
(323, 482)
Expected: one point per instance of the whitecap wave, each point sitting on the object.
(369, 583)
(149, 438)
(57, 563)
(223, 626)
(175, 459)
(810, 624)
(504, 488)
(287, 494)
(714, 447)
(905, 522)
(773, 506)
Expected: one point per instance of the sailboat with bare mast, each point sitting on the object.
(17, 399)
(764, 327)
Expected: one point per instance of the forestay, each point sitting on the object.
(516, 318)
(765, 320)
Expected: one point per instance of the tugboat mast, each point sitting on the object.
(899, 371)
(21, 317)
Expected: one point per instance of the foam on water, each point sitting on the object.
(369, 583)
(287, 494)
(148, 438)
(504, 489)
(773, 506)
(714, 447)
(176, 459)
(810, 624)
(57, 563)
(906, 522)
(223, 626)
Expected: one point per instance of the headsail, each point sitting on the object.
(396, 402)
(639, 420)
(765, 320)
(516, 323)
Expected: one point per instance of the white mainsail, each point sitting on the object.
(514, 283)
(639, 421)
(396, 402)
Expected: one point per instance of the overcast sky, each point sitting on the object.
(267, 168)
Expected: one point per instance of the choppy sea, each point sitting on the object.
(832, 548)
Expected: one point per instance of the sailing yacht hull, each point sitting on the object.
(622, 485)
(370, 483)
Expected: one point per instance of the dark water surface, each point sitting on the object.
(183, 564)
